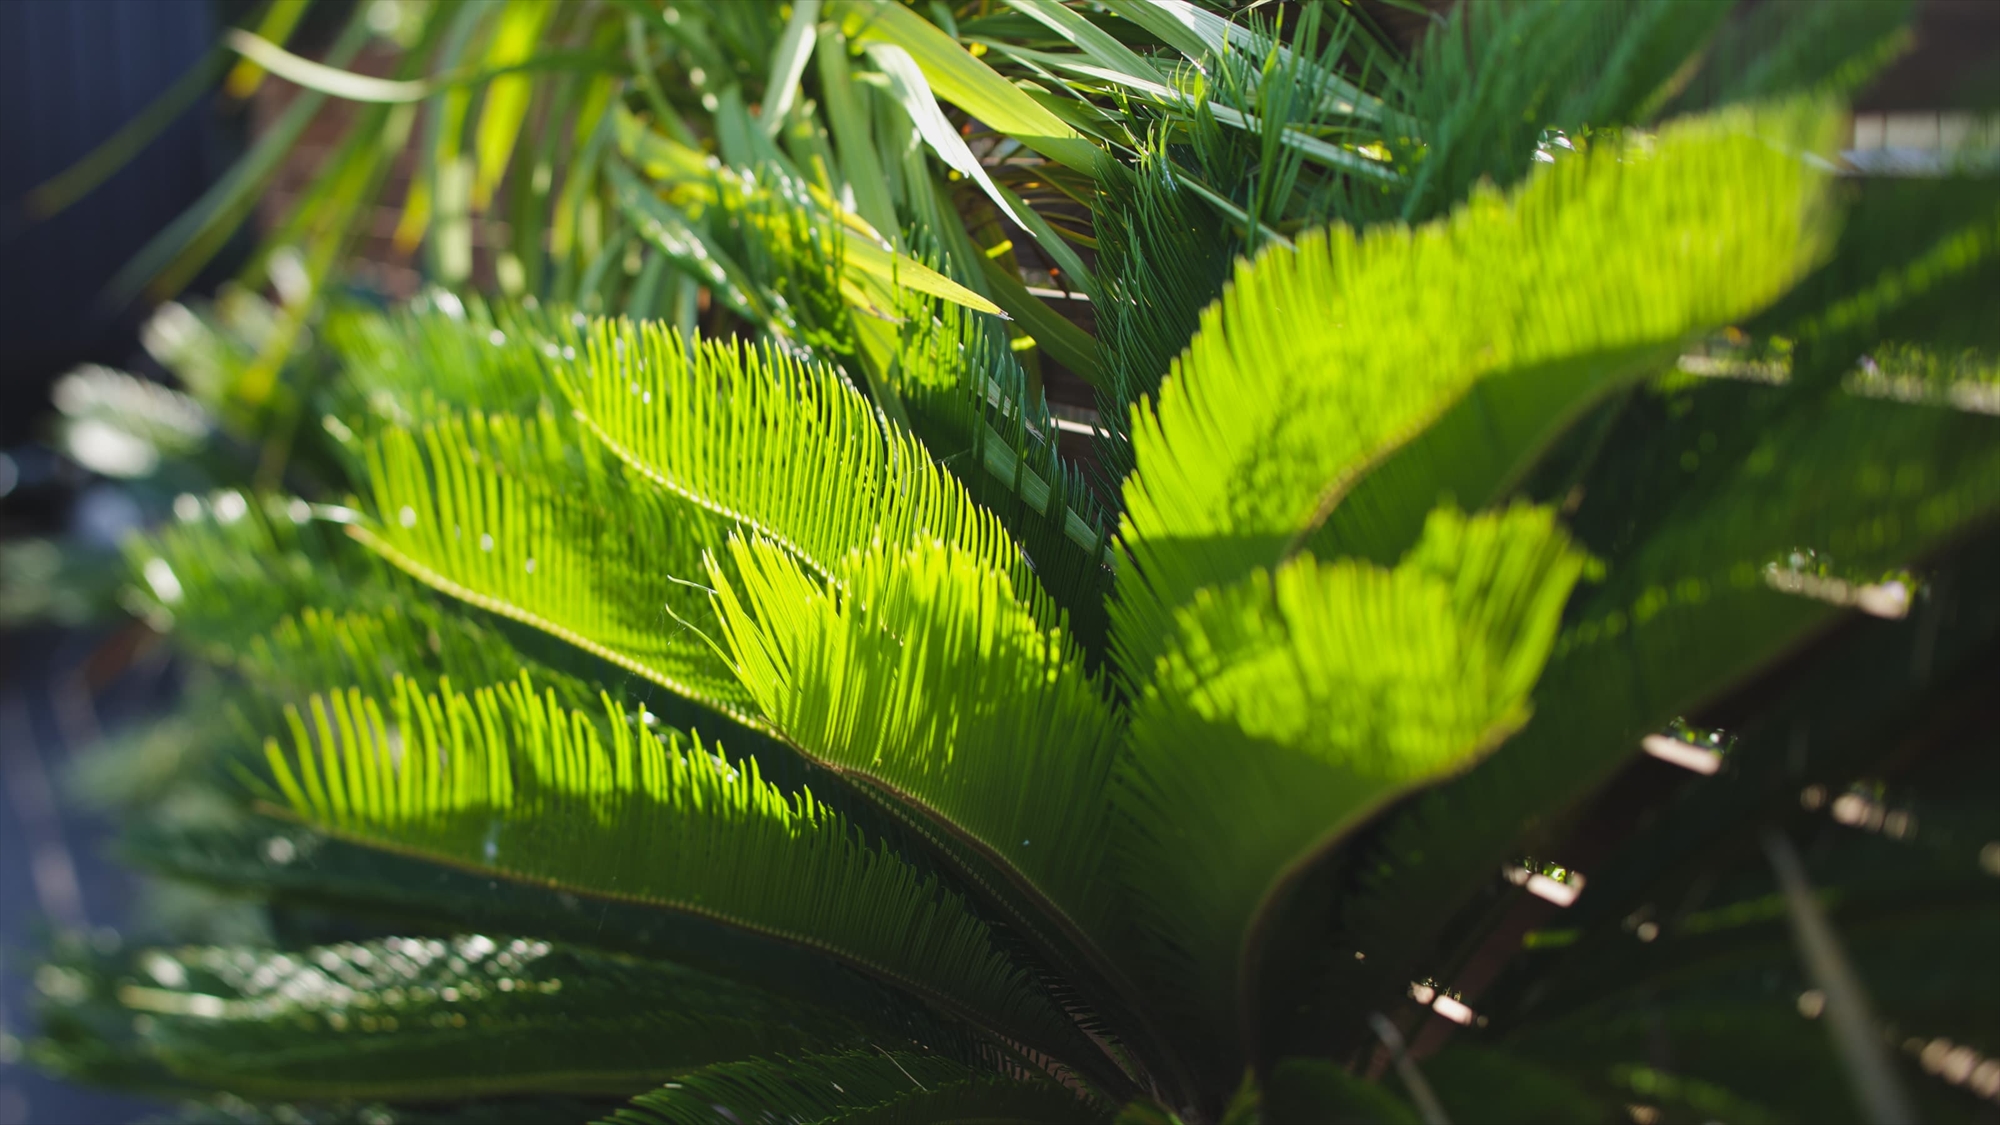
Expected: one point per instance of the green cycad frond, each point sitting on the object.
(541, 1110)
(1835, 45)
(1161, 260)
(919, 670)
(1277, 722)
(971, 404)
(292, 865)
(233, 567)
(510, 523)
(423, 1019)
(1699, 602)
(502, 781)
(1917, 261)
(1322, 361)
(440, 353)
(787, 449)
(856, 1087)
(369, 648)
(1477, 113)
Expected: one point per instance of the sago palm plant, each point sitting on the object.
(759, 717)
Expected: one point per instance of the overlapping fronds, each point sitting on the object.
(425, 1019)
(232, 567)
(1472, 113)
(1467, 112)
(293, 865)
(1700, 601)
(774, 244)
(503, 515)
(442, 353)
(1323, 360)
(315, 647)
(989, 844)
(970, 402)
(1917, 262)
(786, 449)
(508, 782)
(917, 668)
(775, 261)
(1277, 722)
(1161, 261)
(857, 1086)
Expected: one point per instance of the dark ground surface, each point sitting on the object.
(58, 694)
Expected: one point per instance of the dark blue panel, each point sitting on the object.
(71, 73)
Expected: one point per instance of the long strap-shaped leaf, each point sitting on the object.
(1321, 361)
(430, 1019)
(1200, 35)
(689, 180)
(970, 84)
(1295, 704)
(504, 781)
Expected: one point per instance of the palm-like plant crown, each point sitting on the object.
(839, 751)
